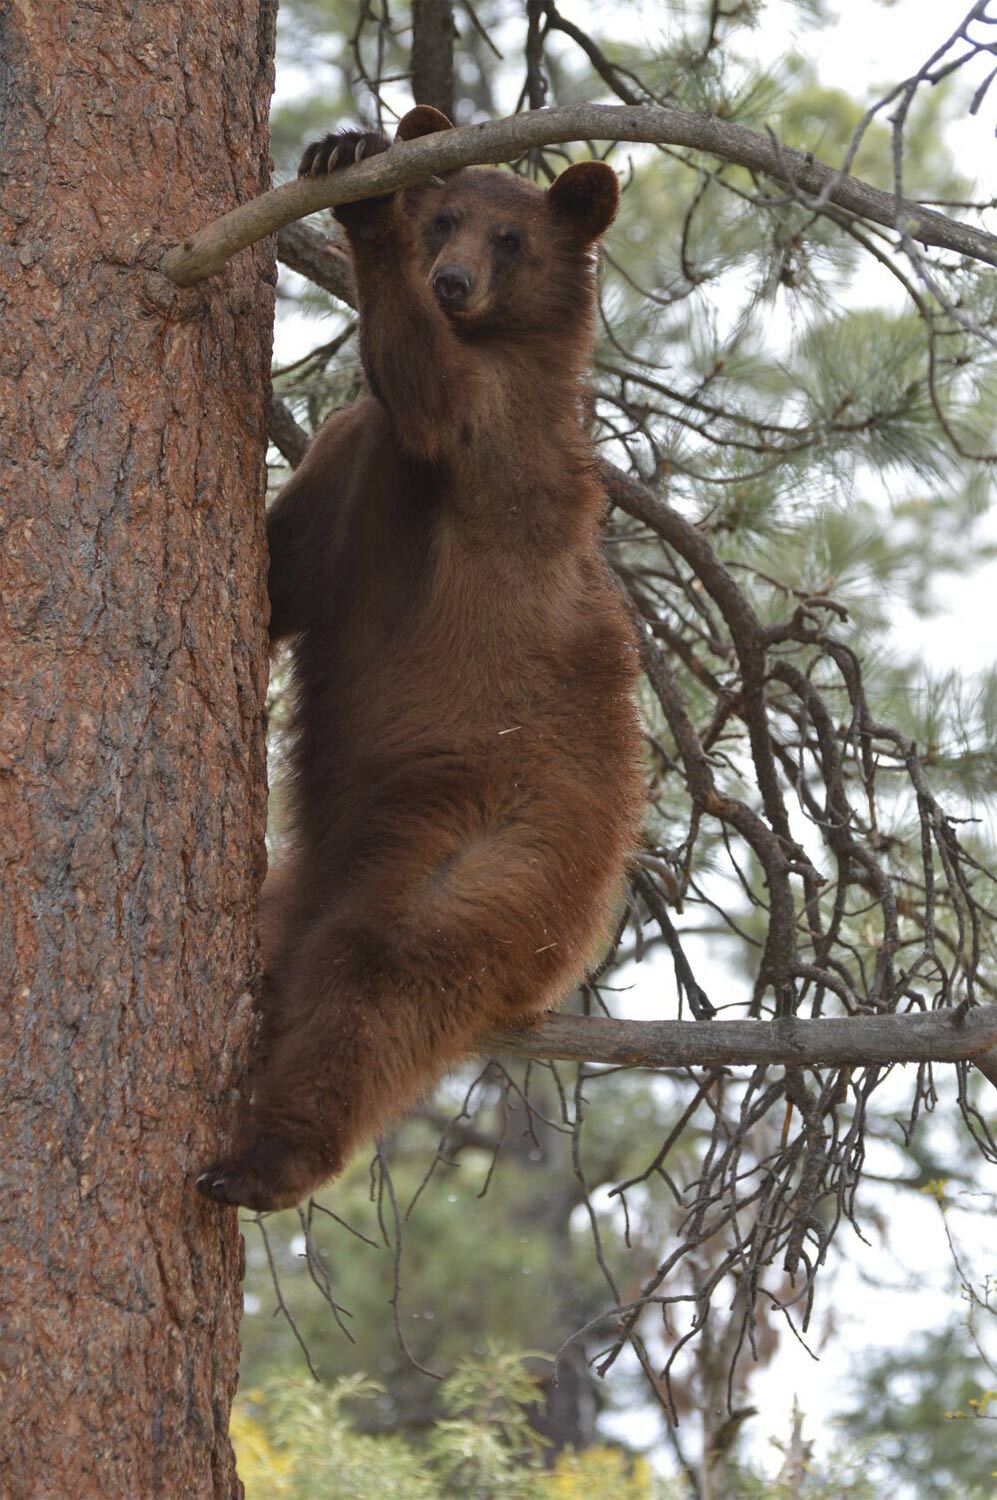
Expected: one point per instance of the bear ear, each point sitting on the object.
(587, 195)
(423, 120)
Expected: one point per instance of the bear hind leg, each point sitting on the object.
(361, 1030)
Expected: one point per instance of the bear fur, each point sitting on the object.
(465, 763)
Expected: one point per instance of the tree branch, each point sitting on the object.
(287, 434)
(852, 1041)
(207, 251)
(314, 255)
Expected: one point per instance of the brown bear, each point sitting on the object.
(465, 766)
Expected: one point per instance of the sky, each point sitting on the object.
(871, 46)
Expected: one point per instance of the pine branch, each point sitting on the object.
(849, 1041)
(206, 252)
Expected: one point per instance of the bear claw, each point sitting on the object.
(341, 150)
(227, 1184)
(261, 1178)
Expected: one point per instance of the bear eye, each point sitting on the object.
(442, 224)
(509, 242)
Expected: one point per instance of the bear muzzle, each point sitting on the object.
(452, 287)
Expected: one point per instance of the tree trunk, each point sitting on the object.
(432, 54)
(132, 676)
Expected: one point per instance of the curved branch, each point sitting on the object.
(851, 1041)
(207, 251)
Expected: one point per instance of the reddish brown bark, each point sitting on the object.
(132, 673)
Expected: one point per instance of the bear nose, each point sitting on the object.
(452, 285)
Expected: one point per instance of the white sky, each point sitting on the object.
(872, 46)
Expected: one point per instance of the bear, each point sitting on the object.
(465, 770)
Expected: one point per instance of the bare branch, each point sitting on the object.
(850, 1041)
(207, 251)
(305, 250)
(287, 434)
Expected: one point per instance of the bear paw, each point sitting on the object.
(340, 150)
(267, 1175)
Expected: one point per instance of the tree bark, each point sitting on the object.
(132, 680)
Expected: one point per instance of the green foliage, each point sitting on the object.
(842, 1478)
(297, 1441)
(306, 1447)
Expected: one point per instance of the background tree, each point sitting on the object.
(132, 676)
(935, 1449)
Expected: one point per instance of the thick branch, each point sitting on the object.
(286, 434)
(314, 255)
(206, 252)
(852, 1041)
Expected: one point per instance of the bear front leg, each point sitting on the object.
(415, 363)
(347, 147)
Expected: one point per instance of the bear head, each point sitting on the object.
(502, 255)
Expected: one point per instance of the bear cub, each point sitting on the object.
(465, 765)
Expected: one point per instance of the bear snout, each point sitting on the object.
(452, 286)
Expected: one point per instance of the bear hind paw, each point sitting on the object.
(266, 1176)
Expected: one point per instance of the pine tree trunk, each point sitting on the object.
(132, 676)
(432, 54)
